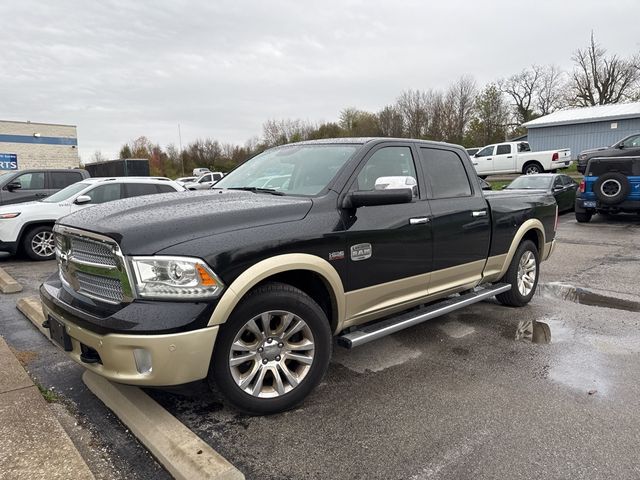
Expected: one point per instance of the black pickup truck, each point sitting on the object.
(245, 286)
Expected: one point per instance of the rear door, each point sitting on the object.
(504, 159)
(58, 180)
(460, 220)
(32, 188)
(483, 160)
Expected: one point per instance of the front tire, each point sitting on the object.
(522, 274)
(38, 243)
(273, 350)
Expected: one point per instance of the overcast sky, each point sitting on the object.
(121, 69)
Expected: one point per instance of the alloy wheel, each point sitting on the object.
(42, 244)
(527, 270)
(271, 354)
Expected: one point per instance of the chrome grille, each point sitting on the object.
(92, 252)
(100, 287)
(92, 265)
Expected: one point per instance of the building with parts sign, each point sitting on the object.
(25, 145)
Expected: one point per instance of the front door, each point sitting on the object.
(483, 161)
(32, 187)
(461, 220)
(388, 247)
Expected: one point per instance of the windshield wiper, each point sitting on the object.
(272, 191)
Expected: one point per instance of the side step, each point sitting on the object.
(391, 325)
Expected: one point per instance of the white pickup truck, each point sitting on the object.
(517, 157)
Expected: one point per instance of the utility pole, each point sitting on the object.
(180, 142)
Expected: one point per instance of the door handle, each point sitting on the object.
(479, 213)
(418, 220)
(510, 156)
(41, 194)
(488, 158)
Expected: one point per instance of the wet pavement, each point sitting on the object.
(546, 391)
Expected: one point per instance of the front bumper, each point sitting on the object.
(168, 359)
(11, 247)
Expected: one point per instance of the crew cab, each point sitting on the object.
(517, 157)
(204, 182)
(610, 185)
(629, 146)
(246, 286)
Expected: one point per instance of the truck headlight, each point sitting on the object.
(175, 278)
(582, 156)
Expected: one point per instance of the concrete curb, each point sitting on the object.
(34, 445)
(592, 297)
(7, 283)
(178, 449)
(32, 309)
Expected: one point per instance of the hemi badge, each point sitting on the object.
(336, 255)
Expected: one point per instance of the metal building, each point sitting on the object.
(26, 145)
(583, 128)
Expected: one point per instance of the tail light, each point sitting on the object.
(555, 156)
(582, 187)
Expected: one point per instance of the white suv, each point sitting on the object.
(29, 225)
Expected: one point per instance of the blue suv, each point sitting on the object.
(610, 185)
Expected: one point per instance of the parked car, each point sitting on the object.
(627, 147)
(472, 151)
(610, 185)
(198, 172)
(184, 180)
(204, 182)
(29, 225)
(29, 185)
(562, 187)
(245, 287)
(517, 157)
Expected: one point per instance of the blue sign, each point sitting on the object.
(8, 161)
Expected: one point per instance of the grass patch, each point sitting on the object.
(49, 395)
(498, 184)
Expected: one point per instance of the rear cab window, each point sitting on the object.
(503, 149)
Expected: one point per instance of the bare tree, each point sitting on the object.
(601, 79)
(550, 95)
(413, 105)
(279, 132)
(460, 101)
(390, 122)
(98, 157)
(523, 88)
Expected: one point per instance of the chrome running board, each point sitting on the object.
(373, 331)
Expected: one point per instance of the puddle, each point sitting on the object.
(533, 331)
(586, 297)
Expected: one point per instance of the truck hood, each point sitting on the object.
(594, 150)
(144, 225)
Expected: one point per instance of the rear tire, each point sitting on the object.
(281, 368)
(532, 168)
(583, 217)
(38, 243)
(523, 274)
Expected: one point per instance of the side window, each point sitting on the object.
(165, 189)
(567, 180)
(138, 189)
(386, 162)
(485, 152)
(60, 180)
(31, 181)
(524, 147)
(217, 176)
(503, 149)
(632, 142)
(445, 172)
(205, 178)
(557, 182)
(105, 193)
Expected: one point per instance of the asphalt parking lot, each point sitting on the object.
(473, 394)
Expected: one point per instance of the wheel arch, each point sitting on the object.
(532, 230)
(311, 274)
(529, 162)
(31, 225)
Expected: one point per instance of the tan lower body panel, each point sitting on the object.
(377, 301)
(176, 358)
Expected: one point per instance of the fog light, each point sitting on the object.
(143, 361)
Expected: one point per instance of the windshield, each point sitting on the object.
(292, 170)
(66, 193)
(531, 182)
